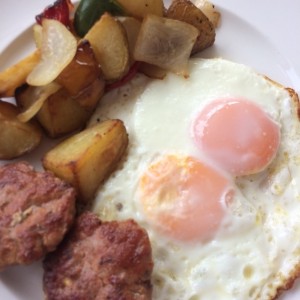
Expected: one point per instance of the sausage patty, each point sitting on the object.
(100, 260)
(36, 210)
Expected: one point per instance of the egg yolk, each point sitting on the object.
(237, 134)
(184, 198)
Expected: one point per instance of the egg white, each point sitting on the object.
(257, 247)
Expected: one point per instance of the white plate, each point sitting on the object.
(262, 34)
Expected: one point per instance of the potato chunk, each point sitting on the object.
(87, 158)
(109, 41)
(63, 113)
(81, 71)
(152, 71)
(141, 8)
(132, 27)
(16, 75)
(16, 138)
(209, 10)
(186, 11)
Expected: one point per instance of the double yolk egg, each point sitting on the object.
(212, 173)
(184, 196)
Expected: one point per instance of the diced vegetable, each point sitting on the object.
(57, 51)
(132, 27)
(16, 138)
(91, 95)
(152, 71)
(38, 35)
(42, 94)
(90, 11)
(141, 8)
(209, 10)
(89, 157)
(81, 71)
(16, 75)
(109, 42)
(186, 11)
(131, 73)
(165, 43)
(59, 11)
(62, 113)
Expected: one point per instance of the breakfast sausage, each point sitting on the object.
(100, 260)
(36, 210)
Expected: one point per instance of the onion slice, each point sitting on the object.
(38, 35)
(165, 43)
(42, 95)
(58, 48)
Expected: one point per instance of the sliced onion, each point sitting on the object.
(42, 95)
(165, 43)
(38, 35)
(58, 49)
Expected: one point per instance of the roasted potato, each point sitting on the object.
(87, 158)
(62, 113)
(16, 138)
(186, 11)
(209, 10)
(109, 42)
(16, 75)
(142, 8)
(152, 71)
(132, 27)
(88, 12)
(82, 71)
(89, 97)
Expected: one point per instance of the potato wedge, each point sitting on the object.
(16, 138)
(186, 11)
(89, 157)
(109, 42)
(61, 113)
(141, 8)
(82, 70)
(16, 75)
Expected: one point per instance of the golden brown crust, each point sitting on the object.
(100, 260)
(36, 210)
(186, 11)
(288, 283)
(293, 95)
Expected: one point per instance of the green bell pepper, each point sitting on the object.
(89, 11)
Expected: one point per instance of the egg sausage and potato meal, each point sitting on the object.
(175, 176)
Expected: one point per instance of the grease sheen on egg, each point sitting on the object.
(253, 248)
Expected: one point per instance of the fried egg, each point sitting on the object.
(212, 173)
